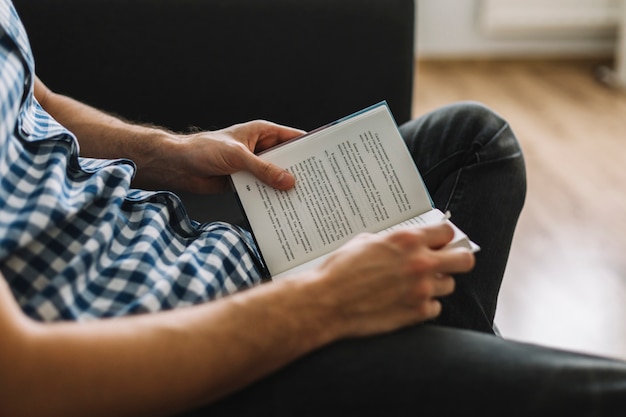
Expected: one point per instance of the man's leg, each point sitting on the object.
(473, 166)
(435, 371)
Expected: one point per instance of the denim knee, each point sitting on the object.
(467, 127)
(486, 133)
(461, 135)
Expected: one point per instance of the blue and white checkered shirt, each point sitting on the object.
(76, 242)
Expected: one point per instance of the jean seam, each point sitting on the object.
(446, 159)
(453, 190)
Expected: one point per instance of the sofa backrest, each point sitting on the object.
(212, 63)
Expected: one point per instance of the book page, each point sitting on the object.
(351, 177)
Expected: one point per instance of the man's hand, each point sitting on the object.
(378, 283)
(200, 162)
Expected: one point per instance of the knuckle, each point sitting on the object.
(429, 309)
(423, 289)
(448, 286)
(423, 310)
(424, 263)
(409, 236)
(262, 125)
(267, 168)
(235, 147)
(365, 235)
(360, 240)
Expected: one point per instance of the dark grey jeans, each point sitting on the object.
(454, 366)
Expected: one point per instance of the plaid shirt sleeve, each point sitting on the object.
(76, 242)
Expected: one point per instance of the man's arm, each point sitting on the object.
(163, 363)
(195, 162)
(149, 365)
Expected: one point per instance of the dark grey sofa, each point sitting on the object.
(212, 63)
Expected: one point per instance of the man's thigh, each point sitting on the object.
(434, 371)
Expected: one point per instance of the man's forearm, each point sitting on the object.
(161, 363)
(104, 136)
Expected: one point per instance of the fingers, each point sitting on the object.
(261, 135)
(428, 267)
(437, 236)
(424, 250)
(457, 260)
(400, 277)
(433, 236)
(429, 310)
(443, 285)
(269, 173)
(430, 287)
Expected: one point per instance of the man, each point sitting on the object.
(113, 302)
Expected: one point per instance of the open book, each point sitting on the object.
(354, 175)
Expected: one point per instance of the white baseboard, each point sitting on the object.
(502, 17)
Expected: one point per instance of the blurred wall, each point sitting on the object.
(458, 28)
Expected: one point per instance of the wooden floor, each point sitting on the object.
(565, 284)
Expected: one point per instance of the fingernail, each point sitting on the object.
(284, 179)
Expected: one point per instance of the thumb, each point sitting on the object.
(270, 174)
